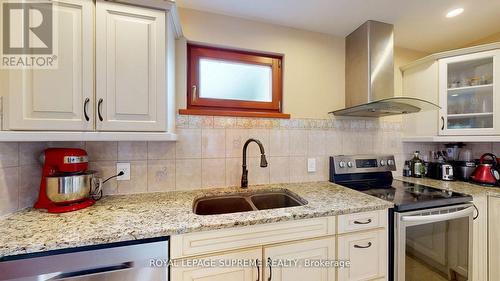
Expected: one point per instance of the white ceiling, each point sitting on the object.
(419, 24)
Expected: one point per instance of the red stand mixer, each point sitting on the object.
(66, 183)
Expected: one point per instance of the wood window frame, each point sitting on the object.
(197, 105)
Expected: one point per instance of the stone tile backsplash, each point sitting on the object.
(208, 154)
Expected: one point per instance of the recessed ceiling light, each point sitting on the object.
(454, 12)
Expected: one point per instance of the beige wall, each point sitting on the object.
(313, 62)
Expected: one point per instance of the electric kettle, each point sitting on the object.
(487, 171)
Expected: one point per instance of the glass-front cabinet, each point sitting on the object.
(469, 94)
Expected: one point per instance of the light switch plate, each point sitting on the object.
(125, 167)
(311, 165)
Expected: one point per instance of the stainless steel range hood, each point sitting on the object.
(369, 70)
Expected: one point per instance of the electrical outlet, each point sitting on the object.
(311, 165)
(125, 167)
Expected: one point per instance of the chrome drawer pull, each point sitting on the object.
(87, 118)
(363, 247)
(99, 109)
(258, 269)
(363, 222)
(269, 262)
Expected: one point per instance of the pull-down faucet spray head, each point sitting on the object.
(263, 161)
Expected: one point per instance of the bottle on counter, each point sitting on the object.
(407, 169)
(417, 166)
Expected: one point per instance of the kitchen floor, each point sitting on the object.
(421, 271)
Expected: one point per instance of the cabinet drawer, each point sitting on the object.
(362, 221)
(198, 243)
(367, 252)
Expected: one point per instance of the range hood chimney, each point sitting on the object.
(369, 70)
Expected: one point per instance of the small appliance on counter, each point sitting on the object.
(464, 166)
(67, 184)
(463, 169)
(486, 172)
(453, 150)
(439, 168)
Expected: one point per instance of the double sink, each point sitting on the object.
(246, 202)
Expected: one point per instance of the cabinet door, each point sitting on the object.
(494, 240)
(469, 94)
(54, 99)
(367, 252)
(130, 68)
(182, 270)
(303, 253)
(480, 241)
(421, 82)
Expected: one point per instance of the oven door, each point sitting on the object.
(434, 244)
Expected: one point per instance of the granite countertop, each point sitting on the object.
(130, 217)
(457, 186)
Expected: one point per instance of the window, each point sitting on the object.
(233, 83)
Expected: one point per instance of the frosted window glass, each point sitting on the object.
(235, 81)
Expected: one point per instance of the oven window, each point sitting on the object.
(437, 251)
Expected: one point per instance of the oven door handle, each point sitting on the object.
(439, 217)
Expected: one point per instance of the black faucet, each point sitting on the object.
(263, 161)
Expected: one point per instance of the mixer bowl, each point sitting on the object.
(63, 188)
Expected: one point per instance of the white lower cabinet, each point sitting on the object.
(367, 253)
(183, 271)
(480, 240)
(306, 255)
(494, 237)
(298, 250)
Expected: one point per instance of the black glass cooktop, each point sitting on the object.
(409, 196)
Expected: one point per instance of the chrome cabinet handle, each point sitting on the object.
(258, 269)
(99, 104)
(477, 212)
(442, 125)
(85, 103)
(269, 261)
(363, 247)
(363, 222)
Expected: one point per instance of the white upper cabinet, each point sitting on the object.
(421, 81)
(469, 94)
(114, 79)
(130, 68)
(61, 98)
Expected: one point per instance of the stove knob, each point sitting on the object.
(382, 163)
(349, 164)
(390, 162)
(342, 164)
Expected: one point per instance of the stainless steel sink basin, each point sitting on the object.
(244, 202)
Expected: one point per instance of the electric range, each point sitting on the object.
(422, 215)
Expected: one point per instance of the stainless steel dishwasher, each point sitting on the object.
(144, 260)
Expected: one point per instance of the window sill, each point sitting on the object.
(214, 112)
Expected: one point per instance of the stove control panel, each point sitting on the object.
(352, 164)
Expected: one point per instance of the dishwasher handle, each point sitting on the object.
(439, 217)
(93, 271)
